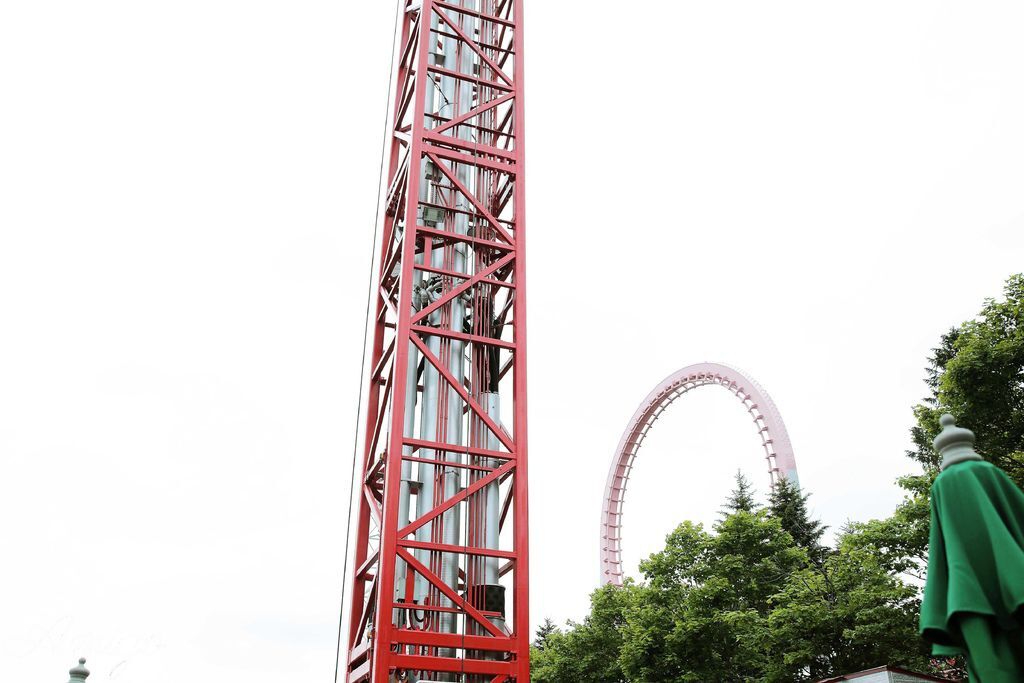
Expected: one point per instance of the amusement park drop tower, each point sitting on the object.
(439, 578)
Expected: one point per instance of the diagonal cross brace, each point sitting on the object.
(457, 599)
(455, 292)
(457, 498)
(461, 391)
(473, 46)
(469, 196)
(473, 113)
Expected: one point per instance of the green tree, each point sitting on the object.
(977, 374)
(844, 614)
(788, 504)
(743, 602)
(588, 652)
(982, 381)
(702, 615)
(899, 542)
(741, 498)
(544, 631)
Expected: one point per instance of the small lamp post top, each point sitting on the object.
(79, 673)
(954, 444)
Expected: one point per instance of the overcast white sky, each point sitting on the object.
(812, 191)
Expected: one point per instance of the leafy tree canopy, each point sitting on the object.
(587, 651)
(977, 374)
(742, 602)
(842, 615)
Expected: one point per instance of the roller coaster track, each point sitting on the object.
(767, 419)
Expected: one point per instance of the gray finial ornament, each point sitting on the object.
(79, 673)
(954, 444)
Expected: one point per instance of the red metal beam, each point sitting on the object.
(474, 136)
(455, 292)
(474, 13)
(450, 593)
(472, 44)
(458, 549)
(453, 665)
(456, 499)
(462, 336)
(473, 113)
(452, 448)
(447, 376)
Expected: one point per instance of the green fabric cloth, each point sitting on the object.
(974, 597)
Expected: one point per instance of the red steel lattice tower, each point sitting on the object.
(439, 589)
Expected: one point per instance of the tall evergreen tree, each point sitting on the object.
(788, 504)
(544, 632)
(741, 499)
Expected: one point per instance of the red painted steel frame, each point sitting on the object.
(383, 642)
